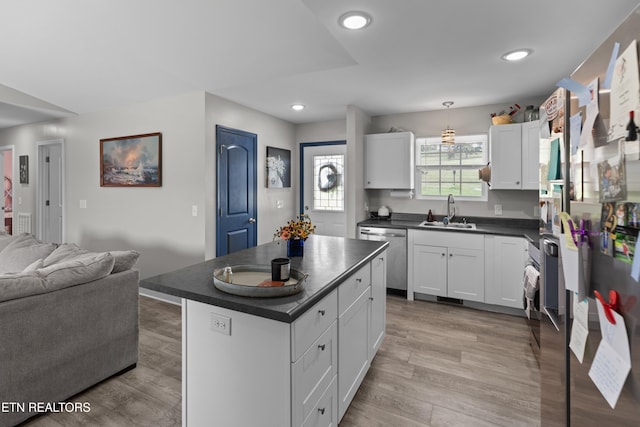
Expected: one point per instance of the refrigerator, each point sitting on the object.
(584, 189)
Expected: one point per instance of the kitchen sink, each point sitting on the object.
(439, 224)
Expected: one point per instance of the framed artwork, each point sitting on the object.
(131, 161)
(278, 168)
(24, 169)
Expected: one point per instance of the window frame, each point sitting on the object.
(462, 139)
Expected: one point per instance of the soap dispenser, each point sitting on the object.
(430, 217)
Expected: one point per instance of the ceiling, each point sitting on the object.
(74, 57)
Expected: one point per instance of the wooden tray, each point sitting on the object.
(246, 278)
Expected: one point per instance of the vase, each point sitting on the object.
(295, 247)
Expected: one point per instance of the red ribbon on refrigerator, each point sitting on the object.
(611, 306)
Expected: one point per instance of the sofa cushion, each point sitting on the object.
(64, 252)
(124, 260)
(21, 252)
(34, 266)
(55, 277)
(76, 271)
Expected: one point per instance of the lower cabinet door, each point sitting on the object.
(466, 274)
(325, 413)
(353, 361)
(377, 314)
(430, 270)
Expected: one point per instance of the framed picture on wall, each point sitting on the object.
(131, 161)
(278, 168)
(24, 169)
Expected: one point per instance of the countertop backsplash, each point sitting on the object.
(515, 204)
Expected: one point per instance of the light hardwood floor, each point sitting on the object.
(439, 365)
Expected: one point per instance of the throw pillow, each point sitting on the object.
(125, 260)
(21, 252)
(34, 266)
(64, 252)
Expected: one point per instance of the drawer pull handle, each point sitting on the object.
(321, 410)
(370, 298)
(359, 280)
(443, 255)
(321, 312)
(322, 346)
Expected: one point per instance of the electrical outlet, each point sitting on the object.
(221, 324)
(83, 204)
(194, 210)
(498, 209)
(279, 204)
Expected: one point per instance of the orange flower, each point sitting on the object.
(301, 228)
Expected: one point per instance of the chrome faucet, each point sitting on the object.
(451, 207)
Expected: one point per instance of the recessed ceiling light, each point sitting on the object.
(298, 107)
(516, 55)
(354, 20)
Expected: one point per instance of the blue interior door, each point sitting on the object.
(237, 187)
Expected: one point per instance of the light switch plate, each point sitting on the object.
(498, 209)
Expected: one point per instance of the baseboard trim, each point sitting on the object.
(160, 296)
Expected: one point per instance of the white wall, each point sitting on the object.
(466, 121)
(358, 124)
(156, 221)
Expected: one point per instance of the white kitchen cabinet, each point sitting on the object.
(465, 270)
(531, 155)
(389, 160)
(353, 350)
(429, 270)
(377, 315)
(514, 156)
(506, 258)
(447, 264)
(315, 364)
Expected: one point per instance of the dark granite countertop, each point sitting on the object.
(529, 229)
(327, 260)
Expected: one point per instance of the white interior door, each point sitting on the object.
(324, 188)
(51, 198)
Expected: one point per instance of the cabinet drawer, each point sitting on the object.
(313, 372)
(325, 412)
(308, 327)
(449, 239)
(353, 287)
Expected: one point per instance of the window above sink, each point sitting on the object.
(443, 169)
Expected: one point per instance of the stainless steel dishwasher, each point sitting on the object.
(396, 253)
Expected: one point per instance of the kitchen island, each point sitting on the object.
(273, 361)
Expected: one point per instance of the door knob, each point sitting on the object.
(306, 207)
(252, 220)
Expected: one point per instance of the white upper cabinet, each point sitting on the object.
(389, 160)
(514, 156)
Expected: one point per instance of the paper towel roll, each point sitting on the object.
(401, 194)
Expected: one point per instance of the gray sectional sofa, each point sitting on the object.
(68, 320)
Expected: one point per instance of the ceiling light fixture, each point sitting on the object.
(517, 55)
(354, 20)
(298, 107)
(448, 134)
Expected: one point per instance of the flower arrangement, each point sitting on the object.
(301, 228)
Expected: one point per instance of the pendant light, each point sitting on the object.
(448, 134)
